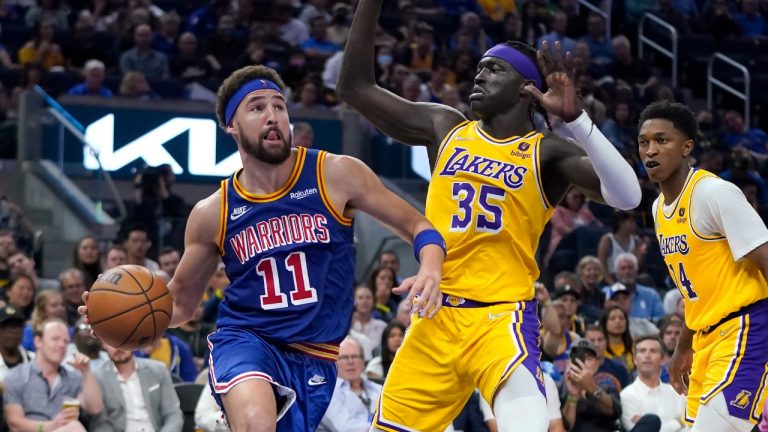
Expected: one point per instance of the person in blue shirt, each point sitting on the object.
(93, 72)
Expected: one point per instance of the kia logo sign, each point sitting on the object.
(150, 148)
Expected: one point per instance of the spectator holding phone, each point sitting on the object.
(589, 405)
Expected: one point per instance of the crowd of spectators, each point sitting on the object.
(610, 315)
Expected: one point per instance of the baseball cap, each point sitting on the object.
(617, 288)
(566, 290)
(93, 64)
(10, 313)
(584, 345)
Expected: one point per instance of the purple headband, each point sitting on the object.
(245, 90)
(521, 62)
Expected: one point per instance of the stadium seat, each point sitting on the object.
(189, 394)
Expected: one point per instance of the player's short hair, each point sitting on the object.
(682, 118)
(593, 327)
(236, 80)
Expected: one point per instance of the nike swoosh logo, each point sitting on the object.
(317, 383)
(462, 138)
(235, 217)
(725, 332)
(494, 316)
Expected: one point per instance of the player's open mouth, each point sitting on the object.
(272, 135)
(651, 164)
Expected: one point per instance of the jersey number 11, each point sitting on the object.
(273, 298)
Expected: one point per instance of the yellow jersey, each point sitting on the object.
(703, 268)
(486, 199)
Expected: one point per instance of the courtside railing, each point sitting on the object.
(712, 81)
(643, 39)
(68, 122)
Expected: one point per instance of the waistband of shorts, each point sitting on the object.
(329, 352)
(460, 302)
(743, 311)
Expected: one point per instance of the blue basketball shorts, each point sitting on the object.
(303, 384)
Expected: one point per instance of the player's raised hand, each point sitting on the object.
(561, 98)
(680, 369)
(423, 292)
(81, 362)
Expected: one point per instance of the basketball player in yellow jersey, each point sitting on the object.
(494, 185)
(716, 249)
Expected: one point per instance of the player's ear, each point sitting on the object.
(231, 128)
(687, 147)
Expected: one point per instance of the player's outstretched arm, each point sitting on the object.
(351, 182)
(408, 122)
(200, 259)
(597, 168)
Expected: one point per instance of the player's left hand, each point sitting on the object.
(561, 98)
(424, 295)
(680, 369)
(81, 362)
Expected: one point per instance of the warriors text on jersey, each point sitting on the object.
(290, 260)
(487, 200)
(713, 283)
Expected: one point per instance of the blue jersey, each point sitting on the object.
(290, 260)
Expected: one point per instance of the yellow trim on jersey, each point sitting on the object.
(324, 194)
(537, 174)
(735, 362)
(448, 138)
(690, 217)
(292, 179)
(223, 216)
(677, 204)
(505, 141)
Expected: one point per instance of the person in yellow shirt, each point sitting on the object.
(494, 186)
(42, 48)
(716, 249)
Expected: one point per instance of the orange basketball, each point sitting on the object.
(129, 307)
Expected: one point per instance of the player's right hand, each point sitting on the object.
(680, 369)
(424, 294)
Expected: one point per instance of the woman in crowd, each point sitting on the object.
(391, 339)
(362, 318)
(87, 258)
(615, 324)
(48, 304)
(382, 281)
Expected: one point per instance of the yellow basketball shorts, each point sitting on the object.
(732, 357)
(466, 345)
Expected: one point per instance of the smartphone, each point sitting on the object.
(578, 354)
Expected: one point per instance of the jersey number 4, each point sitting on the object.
(683, 283)
(488, 198)
(274, 298)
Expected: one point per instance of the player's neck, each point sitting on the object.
(673, 185)
(513, 123)
(261, 178)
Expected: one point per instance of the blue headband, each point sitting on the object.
(245, 90)
(521, 62)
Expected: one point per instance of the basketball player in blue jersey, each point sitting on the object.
(716, 249)
(494, 185)
(283, 227)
